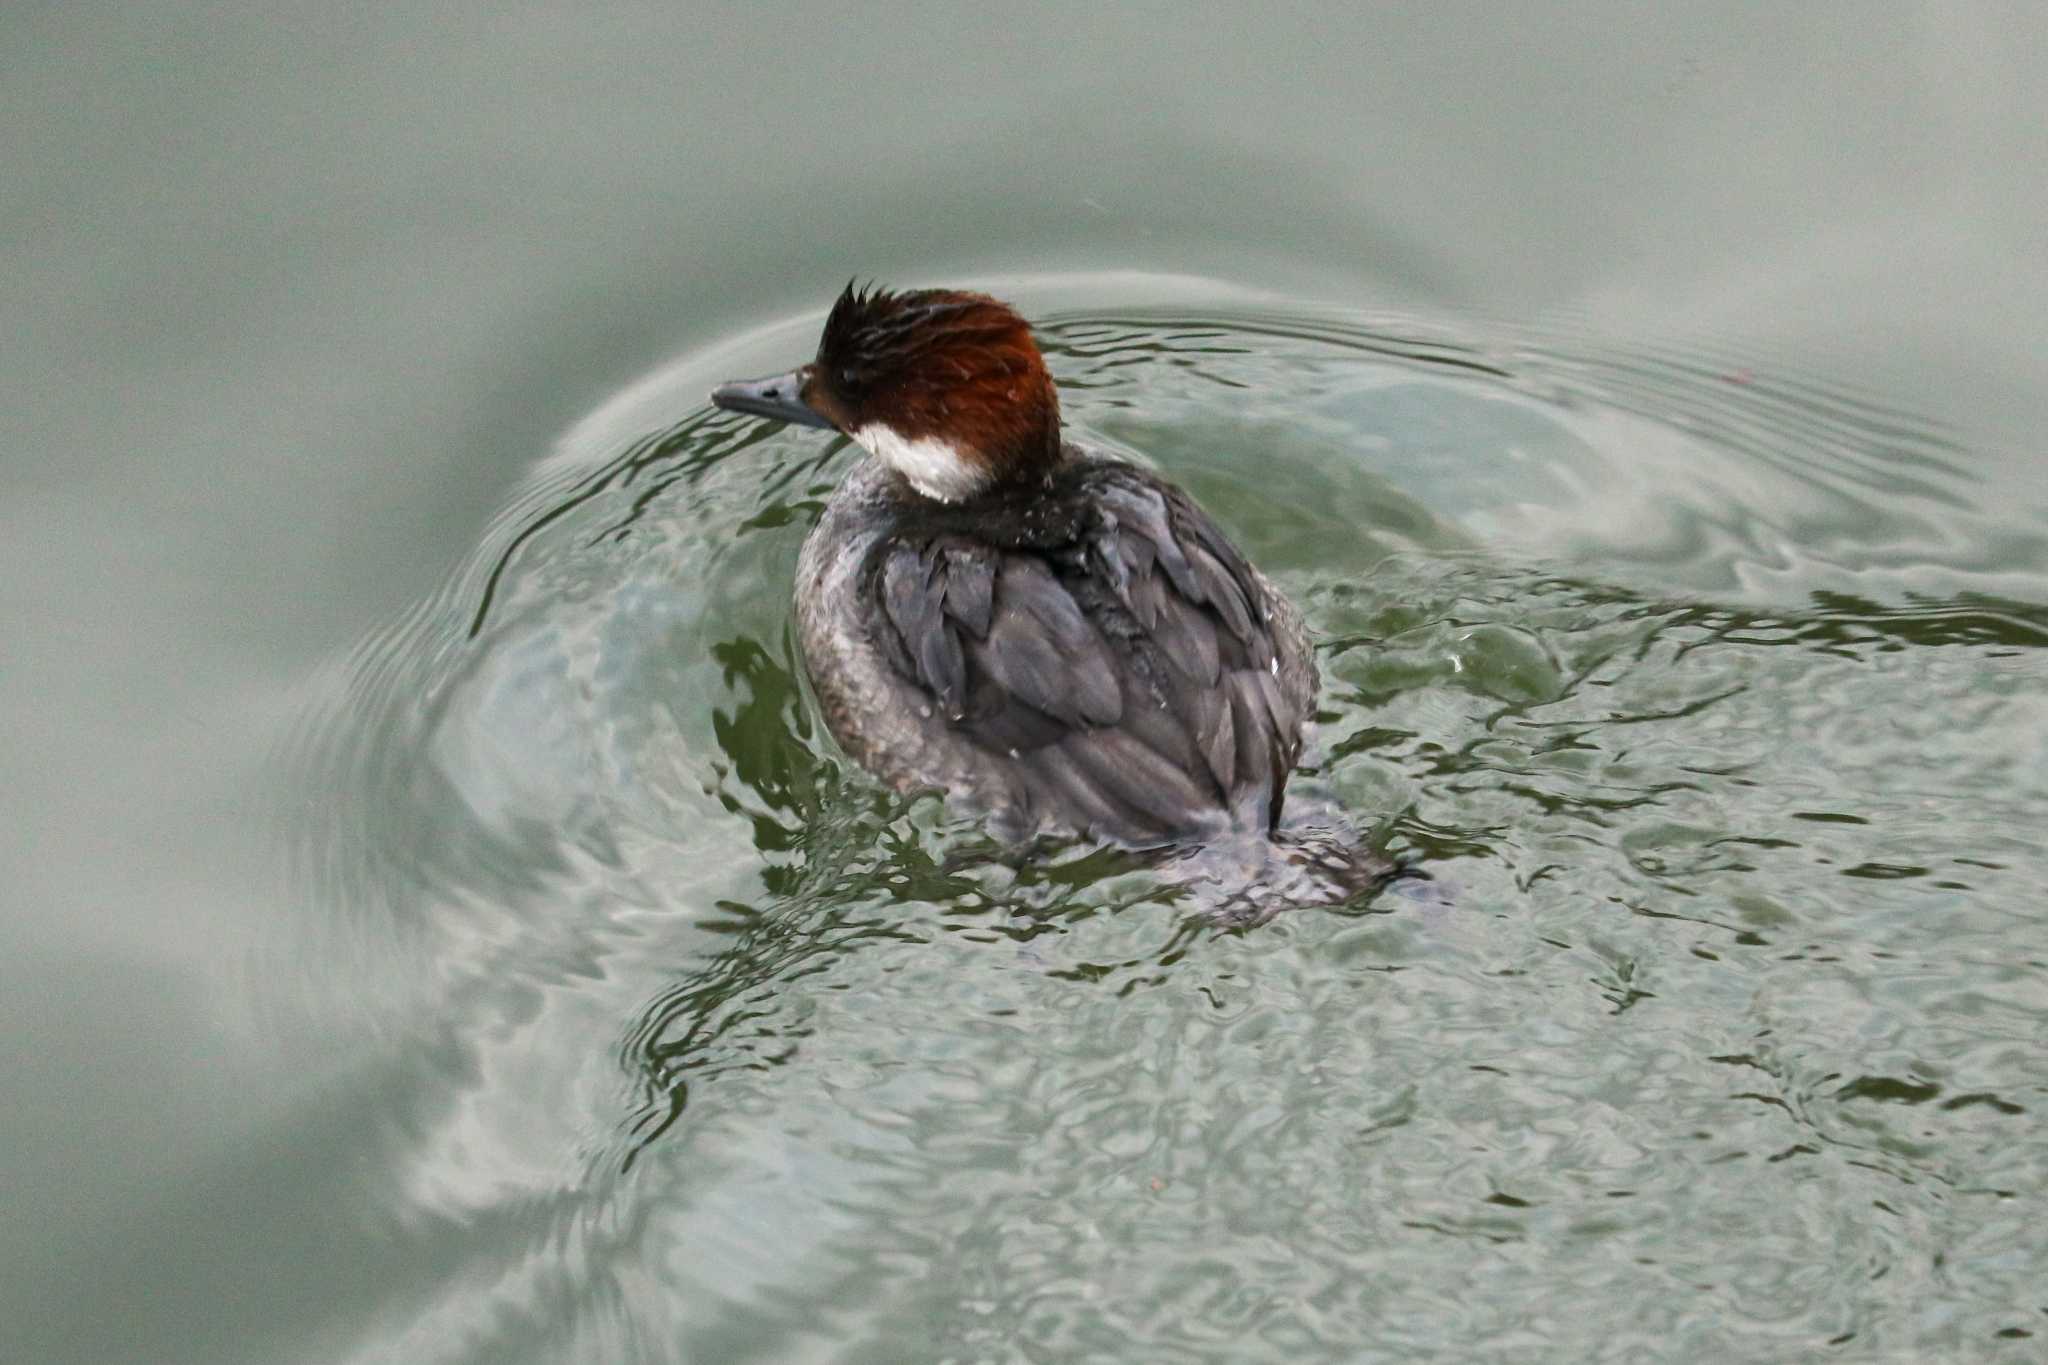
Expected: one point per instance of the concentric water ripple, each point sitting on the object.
(1712, 696)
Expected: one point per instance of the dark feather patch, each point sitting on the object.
(1103, 641)
(912, 590)
(1158, 794)
(1216, 734)
(970, 589)
(1188, 639)
(1221, 591)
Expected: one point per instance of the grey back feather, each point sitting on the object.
(1110, 646)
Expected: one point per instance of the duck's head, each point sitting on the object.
(945, 387)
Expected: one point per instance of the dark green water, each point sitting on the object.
(440, 931)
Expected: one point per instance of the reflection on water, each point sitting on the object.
(1718, 696)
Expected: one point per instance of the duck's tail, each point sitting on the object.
(1247, 879)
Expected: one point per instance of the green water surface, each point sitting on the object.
(439, 930)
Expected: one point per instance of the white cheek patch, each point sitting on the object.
(935, 468)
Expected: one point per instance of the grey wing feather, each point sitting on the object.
(1042, 650)
(970, 587)
(912, 596)
(1127, 677)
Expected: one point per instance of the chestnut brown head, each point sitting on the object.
(944, 386)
